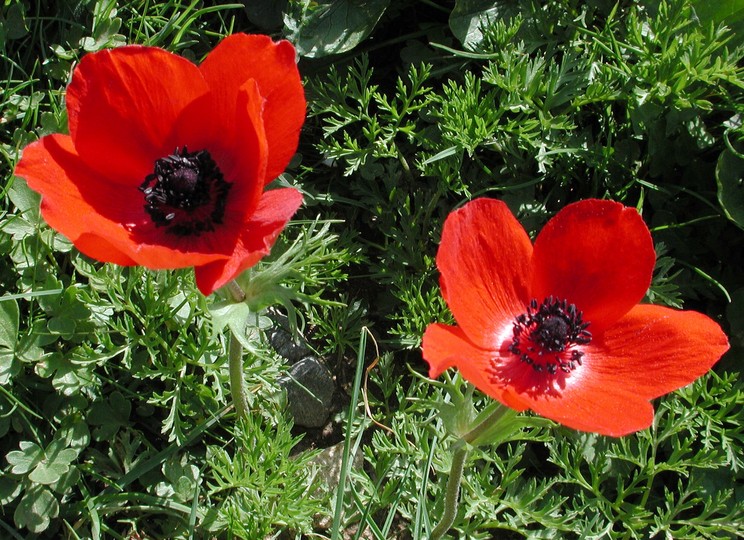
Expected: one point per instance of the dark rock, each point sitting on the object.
(310, 388)
(293, 348)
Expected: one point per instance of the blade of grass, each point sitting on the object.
(394, 503)
(345, 464)
(12, 532)
(95, 519)
(366, 510)
(194, 509)
(709, 278)
(30, 294)
(421, 519)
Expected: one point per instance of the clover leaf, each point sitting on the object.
(44, 466)
(37, 507)
(9, 318)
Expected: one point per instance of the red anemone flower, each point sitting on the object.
(556, 327)
(166, 162)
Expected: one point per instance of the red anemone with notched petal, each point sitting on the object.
(166, 162)
(556, 327)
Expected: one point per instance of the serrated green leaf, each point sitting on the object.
(10, 366)
(68, 377)
(36, 509)
(26, 458)
(730, 178)
(62, 326)
(9, 318)
(54, 463)
(65, 313)
(25, 199)
(227, 313)
(333, 26)
(109, 415)
(73, 432)
(15, 21)
(48, 473)
(67, 481)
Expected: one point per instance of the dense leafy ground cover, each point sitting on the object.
(114, 401)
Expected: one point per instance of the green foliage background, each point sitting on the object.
(114, 418)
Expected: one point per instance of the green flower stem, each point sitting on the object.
(492, 417)
(486, 420)
(237, 382)
(235, 290)
(452, 495)
(235, 359)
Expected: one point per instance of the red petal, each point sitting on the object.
(241, 157)
(594, 407)
(275, 209)
(584, 404)
(95, 215)
(70, 202)
(484, 260)
(443, 345)
(597, 255)
(101, 249)
(241, 57)
(581, 399)
(651, 351)
(446, 346)
(122, 104)
(654, 350)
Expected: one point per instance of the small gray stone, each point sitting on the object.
(293, 348)
(309, 388)
(329, 461)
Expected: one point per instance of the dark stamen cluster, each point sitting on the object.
(543, 336)
(186, 192)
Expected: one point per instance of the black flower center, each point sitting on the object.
(186, 193)
(545, 336)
